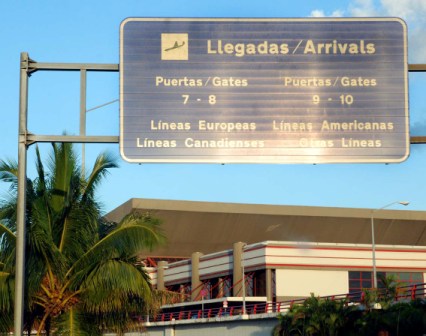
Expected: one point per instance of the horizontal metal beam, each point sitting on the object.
(416, 67)
(418, 140)
(34, 66)
(31, 138)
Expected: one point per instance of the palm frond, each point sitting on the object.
(64, 169)
(6, 323)
(153, 235)
(9, 172)
(7, 247)
(74, 219)
(135, 234)
(6, 233)
(115, 286)
(79, 234)
(7, 292)
(41, 185)
(75, 323)
(41, 245)
(100, 169)
(8, 208)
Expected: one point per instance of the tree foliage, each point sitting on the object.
(79, 269)
(316, 316)
(378, 314)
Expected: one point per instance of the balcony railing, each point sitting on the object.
(405, 293)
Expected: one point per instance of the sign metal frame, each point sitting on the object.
(321, 151)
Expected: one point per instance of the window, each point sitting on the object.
(227, 286)
(206, 291)
(359, 280)
(217, 287)
(407, 278)
(221, 287)
(259, 283)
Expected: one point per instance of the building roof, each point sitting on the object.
(211, 226)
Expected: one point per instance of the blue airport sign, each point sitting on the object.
(264, 90)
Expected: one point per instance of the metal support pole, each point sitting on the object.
(25, 139)
(373, 240)
(31, 138)
(83, 76)
(373, 249)
(416, 67)
(22, 179)
(34, 66)
(415, 140)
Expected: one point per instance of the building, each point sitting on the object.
(285, 252)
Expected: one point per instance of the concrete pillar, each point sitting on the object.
(269, 285)
(238, 273)
(162, 265)
(182, 293)
(169, 330)
(195, 275)
(220, 288)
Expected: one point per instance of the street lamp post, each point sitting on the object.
(373, 243)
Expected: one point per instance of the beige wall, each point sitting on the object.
(301, 283)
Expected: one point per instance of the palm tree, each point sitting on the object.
(81, 275)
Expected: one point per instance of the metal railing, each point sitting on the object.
(403, 293)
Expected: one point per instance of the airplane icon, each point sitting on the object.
(176, 46)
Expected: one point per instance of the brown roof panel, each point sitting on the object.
(210, 226)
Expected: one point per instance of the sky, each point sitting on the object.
(88, 32)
